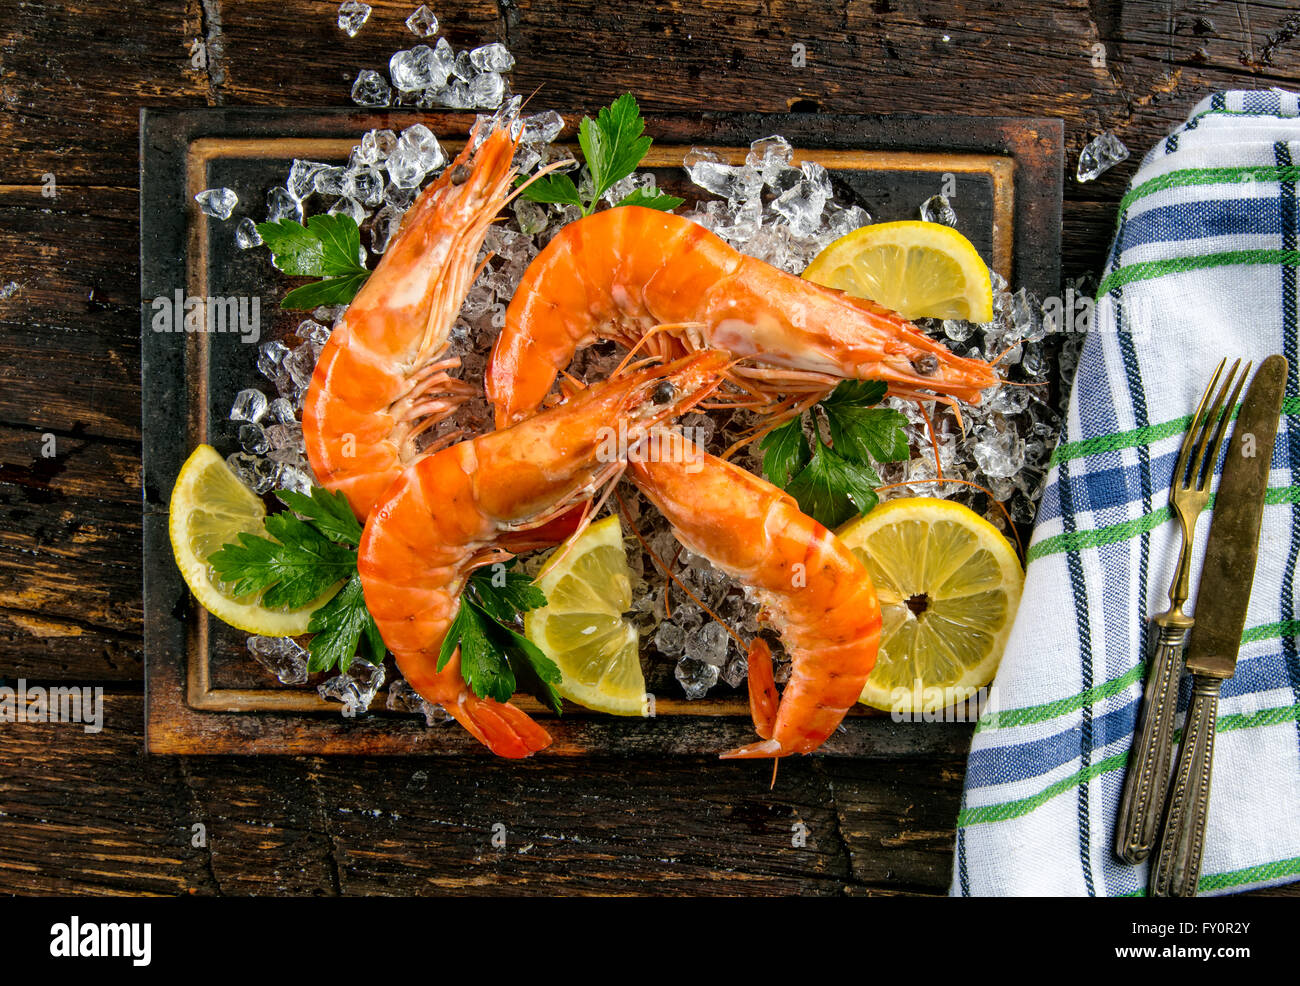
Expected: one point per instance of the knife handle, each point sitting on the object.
(1178, 865)
(1147, 779)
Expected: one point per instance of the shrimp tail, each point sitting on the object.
(756, 751)
(503, 728)
(763, 698)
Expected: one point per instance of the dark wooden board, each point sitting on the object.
(205, 693)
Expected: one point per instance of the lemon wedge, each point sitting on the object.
(588, 588)
(209, 508)
(920, 270)
(949, 584)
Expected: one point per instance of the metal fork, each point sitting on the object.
(1148, 771)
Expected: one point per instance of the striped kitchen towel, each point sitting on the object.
(1204, 265)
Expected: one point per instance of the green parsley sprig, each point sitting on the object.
(612, 146)
(495, 659)
(833, 482)
(312, 548)
(328, 247)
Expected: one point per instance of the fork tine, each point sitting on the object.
(1189, 439)
(1211, 419)
(1212, 456)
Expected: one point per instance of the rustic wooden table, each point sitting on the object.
(92, 814)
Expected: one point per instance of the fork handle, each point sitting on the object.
(1178, 864)
(1147, 779)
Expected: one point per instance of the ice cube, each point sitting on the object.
(403, 698)
(423, 23)
(669, 639)
(284, 657)
(218, 203)
(487, 90)
(331, 180)
(365, 186)
(302, 178)
(937, 209)
(709, 644)
(310, 330)
(246, 234)
(417, 69)
(352, 16)
(282, 435)
(802, 205)
(281, 205)
(957, 329)
(356, 688)
(376, 145)
(371, 89)
(769, 156)
(291, 477)
(416, 154)
(541, 128)
(384, 226)
(532, 217)
(1100, 155)
(353, 208)
(736, 670)
(252, 439)
(696, 677)
(279, 411)
(270, 358)
(493, 57)
(301, 364)
(250, 405)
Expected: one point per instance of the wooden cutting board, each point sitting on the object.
(205, 694)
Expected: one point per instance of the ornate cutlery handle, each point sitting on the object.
(1147, 779)
(1178, 865)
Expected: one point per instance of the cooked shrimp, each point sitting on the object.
(620, 273)
(482, 500)
(814, 591)
(383, 377)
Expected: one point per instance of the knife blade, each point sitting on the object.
(1221, 602)
(1230, 553)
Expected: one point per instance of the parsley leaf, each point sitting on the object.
(613, 145)
(785, 451)
(328, 247)
(554, 188)
(832, 488)
(651, 200)
(303, 557)
(340, 626)
(328, 512)
(504, 594)
(295, 565)
(496, 660)
(833, 482)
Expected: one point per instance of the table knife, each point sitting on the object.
(1224, 593)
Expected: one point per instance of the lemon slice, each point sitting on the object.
(209, 508)
(949, 585)
(588, 588)
(920, 270)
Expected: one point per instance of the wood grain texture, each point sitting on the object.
(91, 814)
